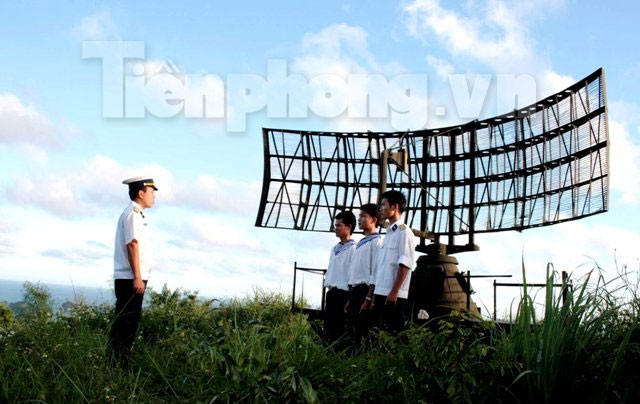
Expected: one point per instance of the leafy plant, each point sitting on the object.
(6, 316)
(575, 350)
(255, 350)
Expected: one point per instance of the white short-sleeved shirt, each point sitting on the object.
(339, 262)
(399, 247)
(132, 225)
(364, 260)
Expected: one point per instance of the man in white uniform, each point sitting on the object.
(393, 274)
(132, 265)
(361, 271)
(337, 277)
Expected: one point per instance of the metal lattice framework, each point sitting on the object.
(537, 166)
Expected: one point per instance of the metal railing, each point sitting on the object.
(314, 271)
(566, 285)
(464, 279)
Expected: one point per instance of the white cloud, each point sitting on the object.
(550, 82)
(231, 258)
(221, 256)
(624, 160)
(496, 34)
(35, 154)
(204, 233)
(498, 37)
(96, 185)
(217, 195)
(441, 66)
(226, 280)
(98, 26)
(340, 49)
(87, 254)
(55, 250)
(624, 163)
(332, 59)
(49, 193)
(576, 247)
(7, 229)
(24, 124)
(76, 194)
(165, 89)
(625, 112)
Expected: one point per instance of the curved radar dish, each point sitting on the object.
(536, 166)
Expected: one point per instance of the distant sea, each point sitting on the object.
(12, 291)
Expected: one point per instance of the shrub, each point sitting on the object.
(36, 304)
(6, 316)
(575, 351)
(256, 350)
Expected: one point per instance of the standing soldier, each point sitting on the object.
(362, 271)
(336, 280)
(132, 265)
(390, 290)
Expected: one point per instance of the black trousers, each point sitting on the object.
(389, 317)
(357, 322)
(334, 317)
(125, 324)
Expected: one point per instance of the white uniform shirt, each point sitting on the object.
(399, 247)
(339, 262)
(364, 260)
(133, 225)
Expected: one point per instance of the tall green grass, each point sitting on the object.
(582, 349)
(255, 350)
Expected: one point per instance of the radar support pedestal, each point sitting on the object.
(439, 288)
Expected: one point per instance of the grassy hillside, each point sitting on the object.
(255, 350)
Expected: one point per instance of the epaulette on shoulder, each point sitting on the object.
(137, 209)
(403, 227)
